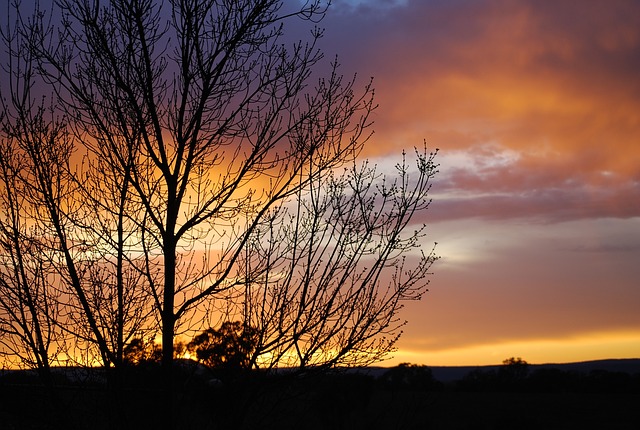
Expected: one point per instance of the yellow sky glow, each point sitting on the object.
(586, 347)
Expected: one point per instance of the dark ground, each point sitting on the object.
(550, 398)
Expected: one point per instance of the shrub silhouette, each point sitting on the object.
(514, 369)
(139, 351)
(229, 347)
(410, 377)
(512, 375)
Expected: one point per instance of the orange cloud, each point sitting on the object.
(555, 83)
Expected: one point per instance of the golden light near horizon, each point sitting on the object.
(586, 347)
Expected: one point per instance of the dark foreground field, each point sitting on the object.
(552, 399)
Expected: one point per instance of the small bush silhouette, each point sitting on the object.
(410, 377)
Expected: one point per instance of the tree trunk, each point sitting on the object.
(168, 325)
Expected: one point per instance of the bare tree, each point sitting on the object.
(28, 301)
(325, 277)
(28, 305)
(209, 188)
(65, 246)
(209, 115)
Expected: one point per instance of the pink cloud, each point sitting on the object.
(554, 82)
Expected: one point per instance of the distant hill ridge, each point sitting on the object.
(444, 374)
(454, 373)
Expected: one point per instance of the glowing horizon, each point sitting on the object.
(587, 347)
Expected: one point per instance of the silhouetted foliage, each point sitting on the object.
(232, 346)
(515, 376)
(139, 351)
(411, 377)
(514, 369)
(512, 373)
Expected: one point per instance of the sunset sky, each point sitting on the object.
(535, 107)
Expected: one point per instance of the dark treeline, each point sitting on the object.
(518, 376)
(515, 375)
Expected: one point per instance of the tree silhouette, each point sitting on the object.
(67, 225)
(514, 369)
(27, 303)
(409, 377)
(230, 347)
(138, 351)
(189, 170)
